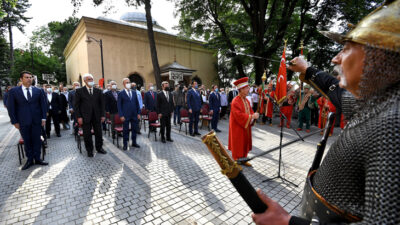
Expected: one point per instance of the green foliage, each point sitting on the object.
(15, 10)
(10, 4)
(259, 28)
(50, 41)
(55, 36)
(4, 57)
(41, 64)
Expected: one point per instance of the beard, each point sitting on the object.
(342, 79)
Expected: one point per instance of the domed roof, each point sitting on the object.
(135, 17)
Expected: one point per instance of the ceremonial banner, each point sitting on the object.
(101, 82)
(281, 89)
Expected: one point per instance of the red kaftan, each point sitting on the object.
(270, 106)
(240, 128)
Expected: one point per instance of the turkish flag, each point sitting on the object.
(101, 82)
(280, 92)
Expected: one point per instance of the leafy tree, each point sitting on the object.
(41, 64)
(11, 3)
(15, 11)
(259, 28)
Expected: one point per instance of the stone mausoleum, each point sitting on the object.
(126, 53)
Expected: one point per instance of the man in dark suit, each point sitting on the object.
(129, 112)
(231, 95)
(215, 105)
(194, 106)
(150, 100)
(27, 107)
(54, 110)
(90, 113)
(165, 107)
(111, 100)
(71, 97)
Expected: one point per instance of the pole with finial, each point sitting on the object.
(301, 56)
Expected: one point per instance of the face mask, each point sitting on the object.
(167, 89)
(134, 88)
(49, 90)
(114, 86)
(196, 86)
(152, 88)
(56, 91)
(216, 90)
(109, 88)
(90, 83)
(77, 87)
(128, 86)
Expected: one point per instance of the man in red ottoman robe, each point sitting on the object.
(240, 122)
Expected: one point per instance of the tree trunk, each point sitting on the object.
(153, 49)
(11, 46)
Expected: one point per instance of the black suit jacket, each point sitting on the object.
(164, 107)
(56, 103)
(111, 103)
(86, 105)
(231, 96)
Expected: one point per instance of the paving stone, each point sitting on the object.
(171, 183)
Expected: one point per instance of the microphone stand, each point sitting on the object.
(283, 117)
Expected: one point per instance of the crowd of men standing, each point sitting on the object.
(89, 108)
(33, 109)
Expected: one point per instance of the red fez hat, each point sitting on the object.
(242, 82)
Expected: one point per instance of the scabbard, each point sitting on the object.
(234, 172)
(246, 190)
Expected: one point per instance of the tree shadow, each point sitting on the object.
(190, 174)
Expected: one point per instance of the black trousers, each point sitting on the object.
(87, 134)
(56, 121)
(165, 124)
(223, 111)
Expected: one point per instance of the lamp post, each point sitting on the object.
(100, 43)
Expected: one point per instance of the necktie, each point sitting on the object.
(28, 94)
(129, 94)
(90, 91)
(152, 94)
(167, 96)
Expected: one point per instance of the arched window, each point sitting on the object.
(135, 77)
(197, 79)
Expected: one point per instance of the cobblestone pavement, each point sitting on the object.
(173, 183)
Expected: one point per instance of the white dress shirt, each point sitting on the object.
(129, 93)
(25, 91)
(88, 89)
(49, 97)
(166, 95)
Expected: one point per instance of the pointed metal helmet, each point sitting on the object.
(381, 28)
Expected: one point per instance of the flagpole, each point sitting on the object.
(301, 56)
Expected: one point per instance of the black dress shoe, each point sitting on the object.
(163, 141)
(197, 133)
(90, 154)
(58, 135)
(48, 136)
(136, 145)
(27, 165)
(101, 151)
(138, 132)
(170, 140)
(192, 135)
(217, 130)
(125, 148)
(41, 162)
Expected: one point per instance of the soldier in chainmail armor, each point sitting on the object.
(359, 179)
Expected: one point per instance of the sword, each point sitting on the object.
(234, 172)
(231, 54)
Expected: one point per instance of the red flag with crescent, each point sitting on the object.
(281, 80)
